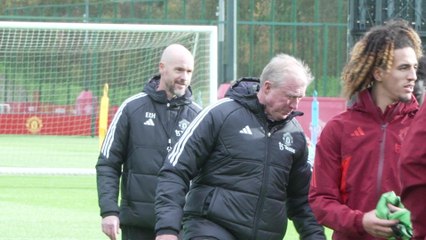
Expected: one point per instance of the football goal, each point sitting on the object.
(52, 77)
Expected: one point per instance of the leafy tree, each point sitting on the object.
(308, 29)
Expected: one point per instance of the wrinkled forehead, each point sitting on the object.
(294, 89)
(297, 83)
(295, 79)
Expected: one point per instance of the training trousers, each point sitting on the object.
(136, 233)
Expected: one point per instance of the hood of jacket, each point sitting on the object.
(244, 91)
(151, 86)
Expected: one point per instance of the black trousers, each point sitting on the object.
(198, 228)
(204, 238)
(135, 233)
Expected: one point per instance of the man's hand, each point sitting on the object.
(166, 237)
(377, 227)
(111, 226)
(393, 208)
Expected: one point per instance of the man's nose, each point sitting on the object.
(412, 75)
(294, 103)
(185, 75)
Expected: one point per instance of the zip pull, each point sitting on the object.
(169, 145)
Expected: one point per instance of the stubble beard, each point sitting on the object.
(405, 99)
(177, 92)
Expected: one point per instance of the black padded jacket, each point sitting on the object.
(142, 131)
(248, 174)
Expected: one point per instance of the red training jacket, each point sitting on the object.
(413, 173)
(356, 160)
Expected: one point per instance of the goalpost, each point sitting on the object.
(52, 78)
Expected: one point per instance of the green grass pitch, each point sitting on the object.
(54, 207)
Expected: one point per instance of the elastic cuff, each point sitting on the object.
(358, 224)
(167, 231)
(106, 214)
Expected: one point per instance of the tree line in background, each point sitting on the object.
(309, 29)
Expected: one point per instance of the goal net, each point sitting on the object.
(52, 77)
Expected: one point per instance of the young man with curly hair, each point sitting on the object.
(358, 151)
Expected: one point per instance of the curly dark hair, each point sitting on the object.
(376, 49)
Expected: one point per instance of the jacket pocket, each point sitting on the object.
(199, 199)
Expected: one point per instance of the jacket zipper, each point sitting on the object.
(384, 127)
(381, 160)
(265, 178)
(172, 126)
(169, 124)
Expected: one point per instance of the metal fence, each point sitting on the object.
(308, 29)
(363, 14)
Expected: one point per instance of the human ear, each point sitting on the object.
(161, 67)
(267, 86)
(377, 74)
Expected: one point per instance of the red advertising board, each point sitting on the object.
(47, 124)
(86, 125)
(328, 107)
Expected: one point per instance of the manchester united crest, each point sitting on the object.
(34, 124)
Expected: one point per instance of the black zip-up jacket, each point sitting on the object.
(248, 174)
(142, 131)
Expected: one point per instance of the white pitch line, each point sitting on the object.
(46, 171)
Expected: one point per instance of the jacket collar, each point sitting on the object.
(161, 96)
(363, 102)
(244, 91)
